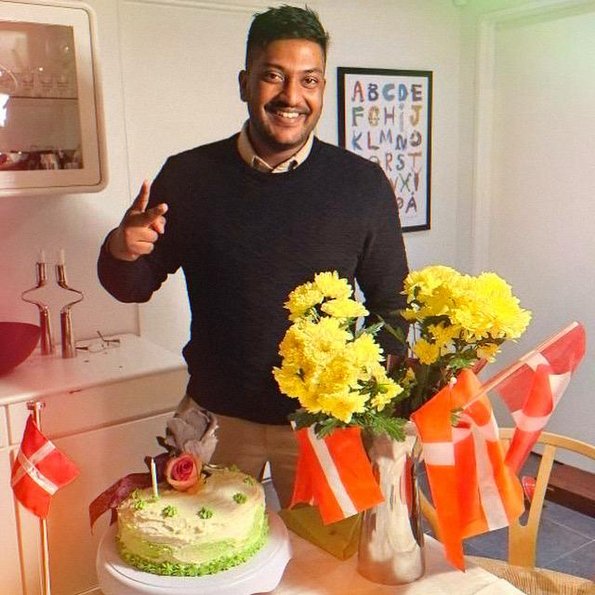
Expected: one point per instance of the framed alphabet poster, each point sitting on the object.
(386, 116)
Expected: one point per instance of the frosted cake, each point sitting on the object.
(215, 525)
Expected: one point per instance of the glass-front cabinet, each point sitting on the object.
(51, 123)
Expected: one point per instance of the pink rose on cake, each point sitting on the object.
(183, 472)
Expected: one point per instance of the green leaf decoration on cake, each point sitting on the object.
(240, 498)
(139, 504)
(169, 511)
(249, 480)
(205, 513)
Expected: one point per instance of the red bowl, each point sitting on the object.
(17, 342)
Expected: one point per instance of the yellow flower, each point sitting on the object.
(488, 309)
(366, 351)
(344, 308)
(344, 405)
(443, 335)
(488, 352)
(425, 282)
(322, 340)
(311, 401)
(477, 307)
(430, 292)
(289, 381)
(302, 299)
(426, 352)
(332, 286)
(340, 374)
(508, 319)
(389, 390)
(410, 315)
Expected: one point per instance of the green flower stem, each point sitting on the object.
(421, 389)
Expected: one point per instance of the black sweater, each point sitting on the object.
(244, 240)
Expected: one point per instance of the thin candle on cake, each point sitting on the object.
(154, 479)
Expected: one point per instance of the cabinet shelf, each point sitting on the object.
(42, 98)
(50, 100)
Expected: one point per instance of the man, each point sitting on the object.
(248, 219)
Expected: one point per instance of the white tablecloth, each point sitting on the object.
(312, 571)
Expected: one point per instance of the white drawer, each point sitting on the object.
(100, 406)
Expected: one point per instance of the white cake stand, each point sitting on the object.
(260, 574)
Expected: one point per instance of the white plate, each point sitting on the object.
(260, 574)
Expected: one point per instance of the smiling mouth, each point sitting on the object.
(285, 114)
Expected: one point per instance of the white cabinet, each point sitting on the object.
(103, 456)
(104, 411)
(10, 569)
(51, 124)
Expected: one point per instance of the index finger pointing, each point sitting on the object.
(142, 199)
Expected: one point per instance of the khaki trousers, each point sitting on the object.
(250, 446)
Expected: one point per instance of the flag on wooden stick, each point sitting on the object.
(533, 386)
(39, 471)
(335, 474)
(472, 489)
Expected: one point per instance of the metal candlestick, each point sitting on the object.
(47, 343)
(68, 346)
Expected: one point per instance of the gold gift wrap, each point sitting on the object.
(339, 539)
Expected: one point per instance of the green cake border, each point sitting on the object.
(181, 569)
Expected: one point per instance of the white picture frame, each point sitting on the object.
(52, 139)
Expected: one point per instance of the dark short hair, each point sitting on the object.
(285, 22)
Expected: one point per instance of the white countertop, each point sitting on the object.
(43, 375)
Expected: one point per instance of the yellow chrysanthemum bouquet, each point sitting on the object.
(457, 321)
(334, 369)
(357, 450)
(337, 370)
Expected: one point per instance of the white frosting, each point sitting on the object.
(193, 539)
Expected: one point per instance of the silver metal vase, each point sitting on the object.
(391, 546)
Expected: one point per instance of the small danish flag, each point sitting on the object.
(533, 387)
(335, 474)
(39, 471)
(472, 488)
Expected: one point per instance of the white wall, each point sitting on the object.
(536, 210)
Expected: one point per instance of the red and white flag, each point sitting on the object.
(39, 471)
(473, 491)
(533, 386)
(335, 474)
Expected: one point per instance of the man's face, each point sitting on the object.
(283, 87)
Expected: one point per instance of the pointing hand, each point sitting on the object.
(139, 229)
